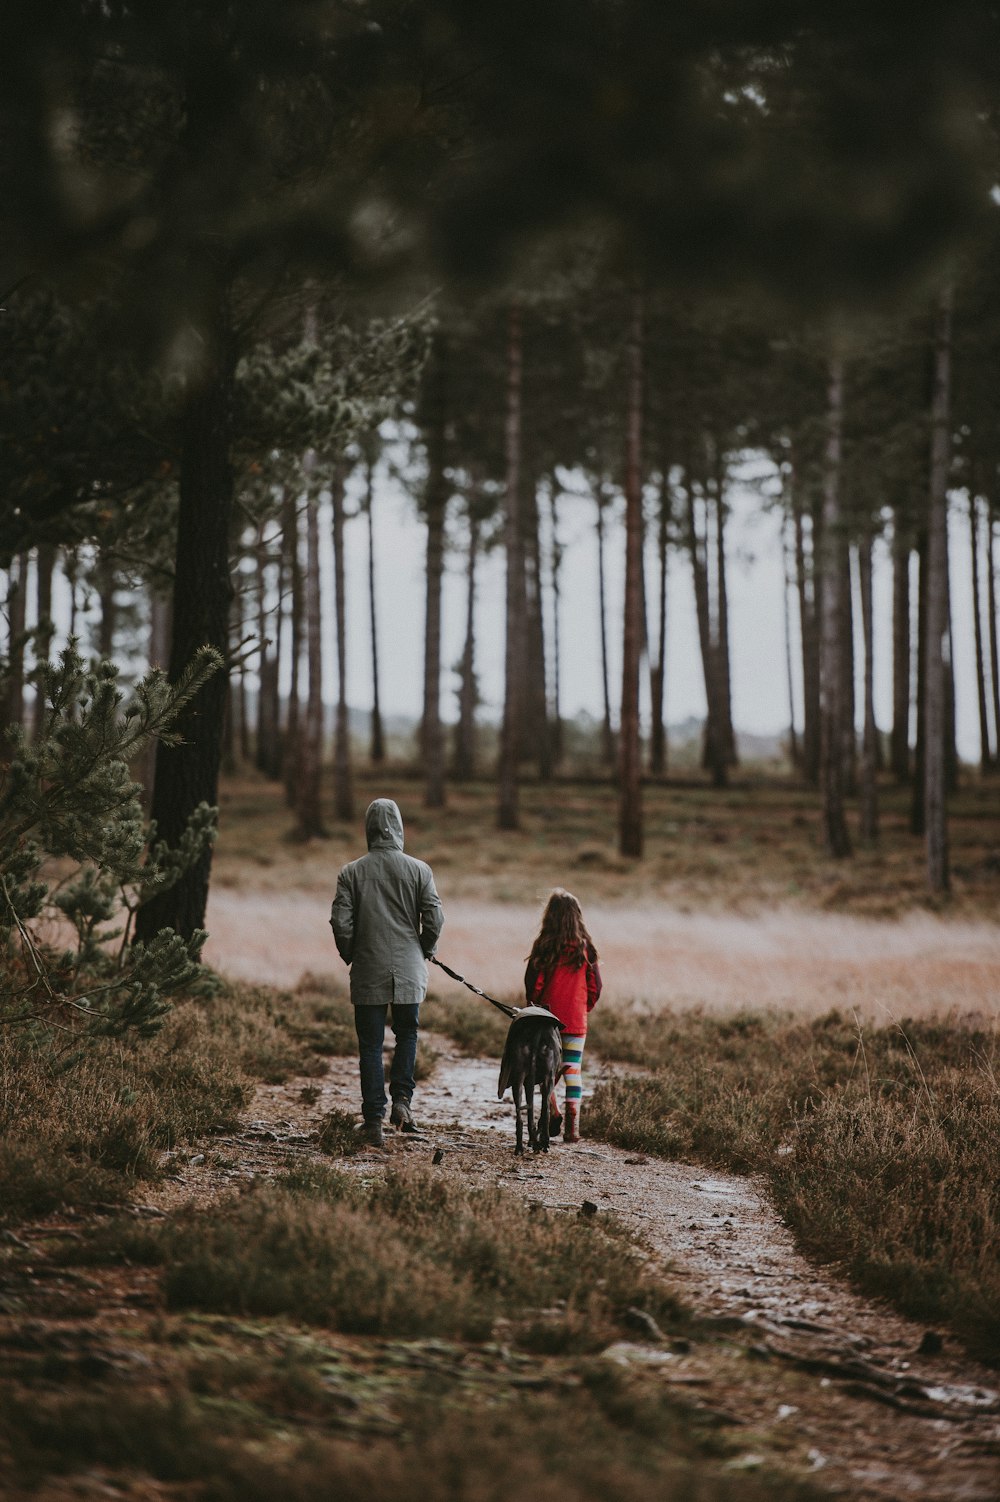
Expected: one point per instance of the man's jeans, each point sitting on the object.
(370, 1025)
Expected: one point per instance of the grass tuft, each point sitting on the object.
(881, 1146)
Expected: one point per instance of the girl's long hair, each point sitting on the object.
(563, 938)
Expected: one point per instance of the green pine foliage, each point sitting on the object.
(78, 860)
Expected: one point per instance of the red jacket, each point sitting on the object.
(570, 992)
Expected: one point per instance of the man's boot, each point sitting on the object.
(401, 1116)
(572, 1132)
(555, 1120)
(371, 1134)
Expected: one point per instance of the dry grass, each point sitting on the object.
(880, 1144)
(410, 1255)
(746, 848)
(85, 1131)
(280, 1426)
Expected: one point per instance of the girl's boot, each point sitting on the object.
(555, 1120)
(572, 1132)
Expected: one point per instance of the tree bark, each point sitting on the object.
(343, 786)
(537, 688)
(657, 669)
(465, 730)
(917, 823)
(938, 644)
(849, 738)
(308, 803)
(899, 752)
(515, 640)
(832, 707)
(106, 587)
(556, 578)
(985, 748)
(715, 759)
(435, 504)
(267, 728)
(377, 745)
(188, 774)
(630, 830)
(45, 563)
(787, 556)
(808, 585)
(607, 731)
(991, 605)
(724, 673)
(12, 709)
(293, 725)
(869, 758)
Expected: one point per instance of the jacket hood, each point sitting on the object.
(384, 825)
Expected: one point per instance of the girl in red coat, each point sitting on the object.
(563, 975)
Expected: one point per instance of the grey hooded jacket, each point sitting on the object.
(387, 915)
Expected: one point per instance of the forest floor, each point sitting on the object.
(775, 1380)
(796, 1376)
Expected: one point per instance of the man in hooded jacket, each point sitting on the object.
(386, 918)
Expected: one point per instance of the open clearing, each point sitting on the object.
(784, 958)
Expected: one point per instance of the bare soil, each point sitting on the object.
(788, 1357)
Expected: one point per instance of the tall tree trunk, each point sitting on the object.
(899, 752)
(45, 564)
(465, 730)
(187, 774)
(607, 732)
(991, 606)
(657, 669)
(231, 717)
(848, 726)
(293, 726)
(630, 767)
(938, 645)
(985, 748)
(435, 502)
(869, 759)
(715, 758)
(832, 707)
(808, 577)
(12, 709)
(107, 599)
(537, 728)
(556, 578)
(242, 635)
(724, 697)
(515, 638)
(276, 765)
(917, 822)
(266, 750)
(343, 788)
(308, 802)
(377, 745)
(787, 556)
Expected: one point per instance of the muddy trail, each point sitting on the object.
(785, 1357)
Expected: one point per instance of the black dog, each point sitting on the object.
(532, 1057)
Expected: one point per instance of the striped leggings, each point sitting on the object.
(572, 1046)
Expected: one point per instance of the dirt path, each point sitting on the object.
(793, 1361)
(783, 958)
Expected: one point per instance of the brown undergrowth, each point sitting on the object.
(86, 1129)
(881, 1144)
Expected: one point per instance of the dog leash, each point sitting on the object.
(503, 1006)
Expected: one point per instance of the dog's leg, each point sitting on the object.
(518, 1093)
(545, 1085)
(529, 1090)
